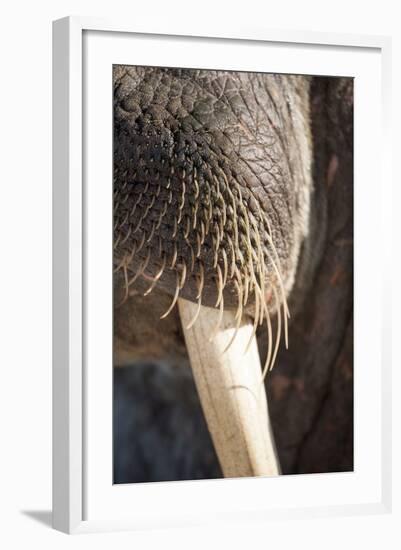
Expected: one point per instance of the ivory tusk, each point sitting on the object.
(231, 392)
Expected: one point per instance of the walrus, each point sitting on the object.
(234, 191)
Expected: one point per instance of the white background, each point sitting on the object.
(25, 398)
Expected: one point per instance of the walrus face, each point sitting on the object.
(211, 184)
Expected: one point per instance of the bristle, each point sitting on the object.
(195, 317)
(240, 293)
(174, 258)
(201, 280)
(246, 290)
(157, 276)
(238, 317)
(224, 212)
(175, 298)
(117, 242)
(194, 215)
(124, 240)
(196, 188)
(124, 220)
(125, 283)
(183, 267)
(198, 245)
(255, 323)
(199, 298)
(219, 319)
(278, 328)
(283, 297)
(266, 367)
(181, 205)
(152, 231)
(218, 236)
(225, 264)
(202, 232)
(138, 225)
(232, 255)
(188, 227)
(162, 214)
(191, 250)
(175, 228)
(217, 213)
(220, 287)
(142, 242)
(142, 266)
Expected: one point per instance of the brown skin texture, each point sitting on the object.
(310, 389)
(212, 173)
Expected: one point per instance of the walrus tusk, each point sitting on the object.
(231, 391)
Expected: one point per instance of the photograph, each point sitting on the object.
(233, 294)
(205, 196)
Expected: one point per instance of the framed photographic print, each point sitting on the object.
(219, 313)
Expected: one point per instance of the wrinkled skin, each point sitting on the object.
(286, 143)
(206, 165)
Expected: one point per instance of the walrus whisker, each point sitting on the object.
(143, 265)
(278, 328)
(198, 245)
(181, 205)
(138, 200)
(195, 317)
(240, 290)
(277, 270)
(174, 258)
(141, 243)
(117, 242)
(246, 291)
(261, 263)
(201, 280)
(152, 231)
(126, 290)
(162, 214)
(233, 264)
(188, 227)
(189, 245)
(220, 318)
(238, 318)
(175, 228)
(225, 264)
(255, 322)
(270, 343)
(199, 298)
(194, 215)
(235, 217)
(156, 277)
(183, 266)
(219, 286)
(196, 188)
(175, 298)
(120, 265)
(203, 235)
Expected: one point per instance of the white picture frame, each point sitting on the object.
(80, 44)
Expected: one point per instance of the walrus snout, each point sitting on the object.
(207, 188)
